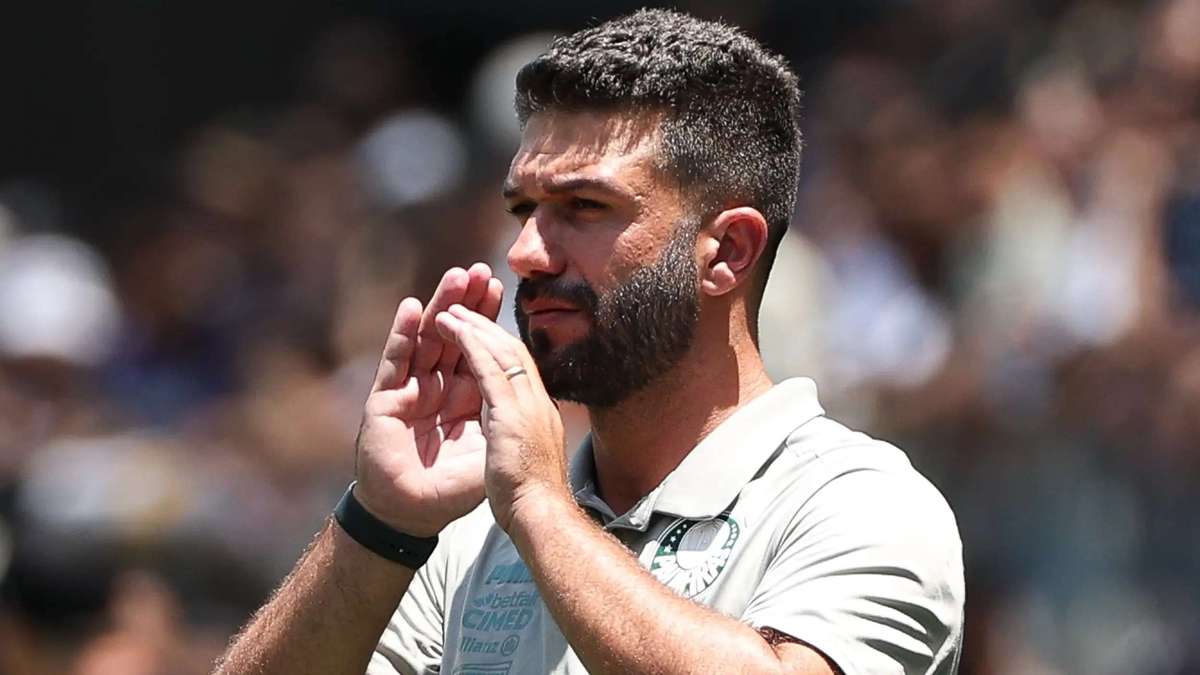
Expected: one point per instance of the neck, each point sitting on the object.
(642, 439)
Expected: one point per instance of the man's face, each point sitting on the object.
(608, 299)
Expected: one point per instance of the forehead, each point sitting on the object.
(593, 144)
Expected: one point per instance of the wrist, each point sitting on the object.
(411, 522)
(377, 536)
(538, 508)
(367, 574)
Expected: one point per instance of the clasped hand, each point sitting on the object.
(426, 454)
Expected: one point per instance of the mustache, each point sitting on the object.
(574, 291)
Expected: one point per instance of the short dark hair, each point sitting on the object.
(730, 132)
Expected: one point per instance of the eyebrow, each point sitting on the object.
(569, 184)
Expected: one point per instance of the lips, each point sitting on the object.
(544, 314)
(547, 317)
(547, 306)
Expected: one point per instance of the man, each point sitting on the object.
(714, 522)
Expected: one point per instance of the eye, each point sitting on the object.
(520, 209)
(581, 203)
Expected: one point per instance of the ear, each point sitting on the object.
(729, 248)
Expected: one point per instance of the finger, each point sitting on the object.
(429, 344)
(396, 361)
(396, 403)
(411, 399)
(477, 282)
(492, 299)
(510, 351)
(520, 355)
(488, 371)
(479, 275)
(489, 306)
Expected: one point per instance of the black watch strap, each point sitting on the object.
(379, 537)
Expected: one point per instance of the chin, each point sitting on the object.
(546, 349)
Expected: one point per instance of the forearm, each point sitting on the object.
(326, 617)
(617, 617)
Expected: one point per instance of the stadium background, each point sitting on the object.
(208, 212)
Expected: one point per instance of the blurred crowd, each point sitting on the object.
(994, 263)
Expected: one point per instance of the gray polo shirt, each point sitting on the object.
(780, 517)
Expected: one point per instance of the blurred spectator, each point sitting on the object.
(995, 261)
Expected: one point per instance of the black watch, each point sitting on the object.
(379, 537)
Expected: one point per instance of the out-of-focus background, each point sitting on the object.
(208, 212)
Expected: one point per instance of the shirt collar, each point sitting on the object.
(582, 474)
(714, 472)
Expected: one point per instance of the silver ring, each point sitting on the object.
(514, 371)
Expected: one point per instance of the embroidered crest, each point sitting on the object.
(692, 553)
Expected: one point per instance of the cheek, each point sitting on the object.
(598, 255)
(631, 251)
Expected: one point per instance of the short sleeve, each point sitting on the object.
(870, 573)
(412, 642)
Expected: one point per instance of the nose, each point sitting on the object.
(532, 254)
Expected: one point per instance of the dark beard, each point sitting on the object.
(640, 329)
